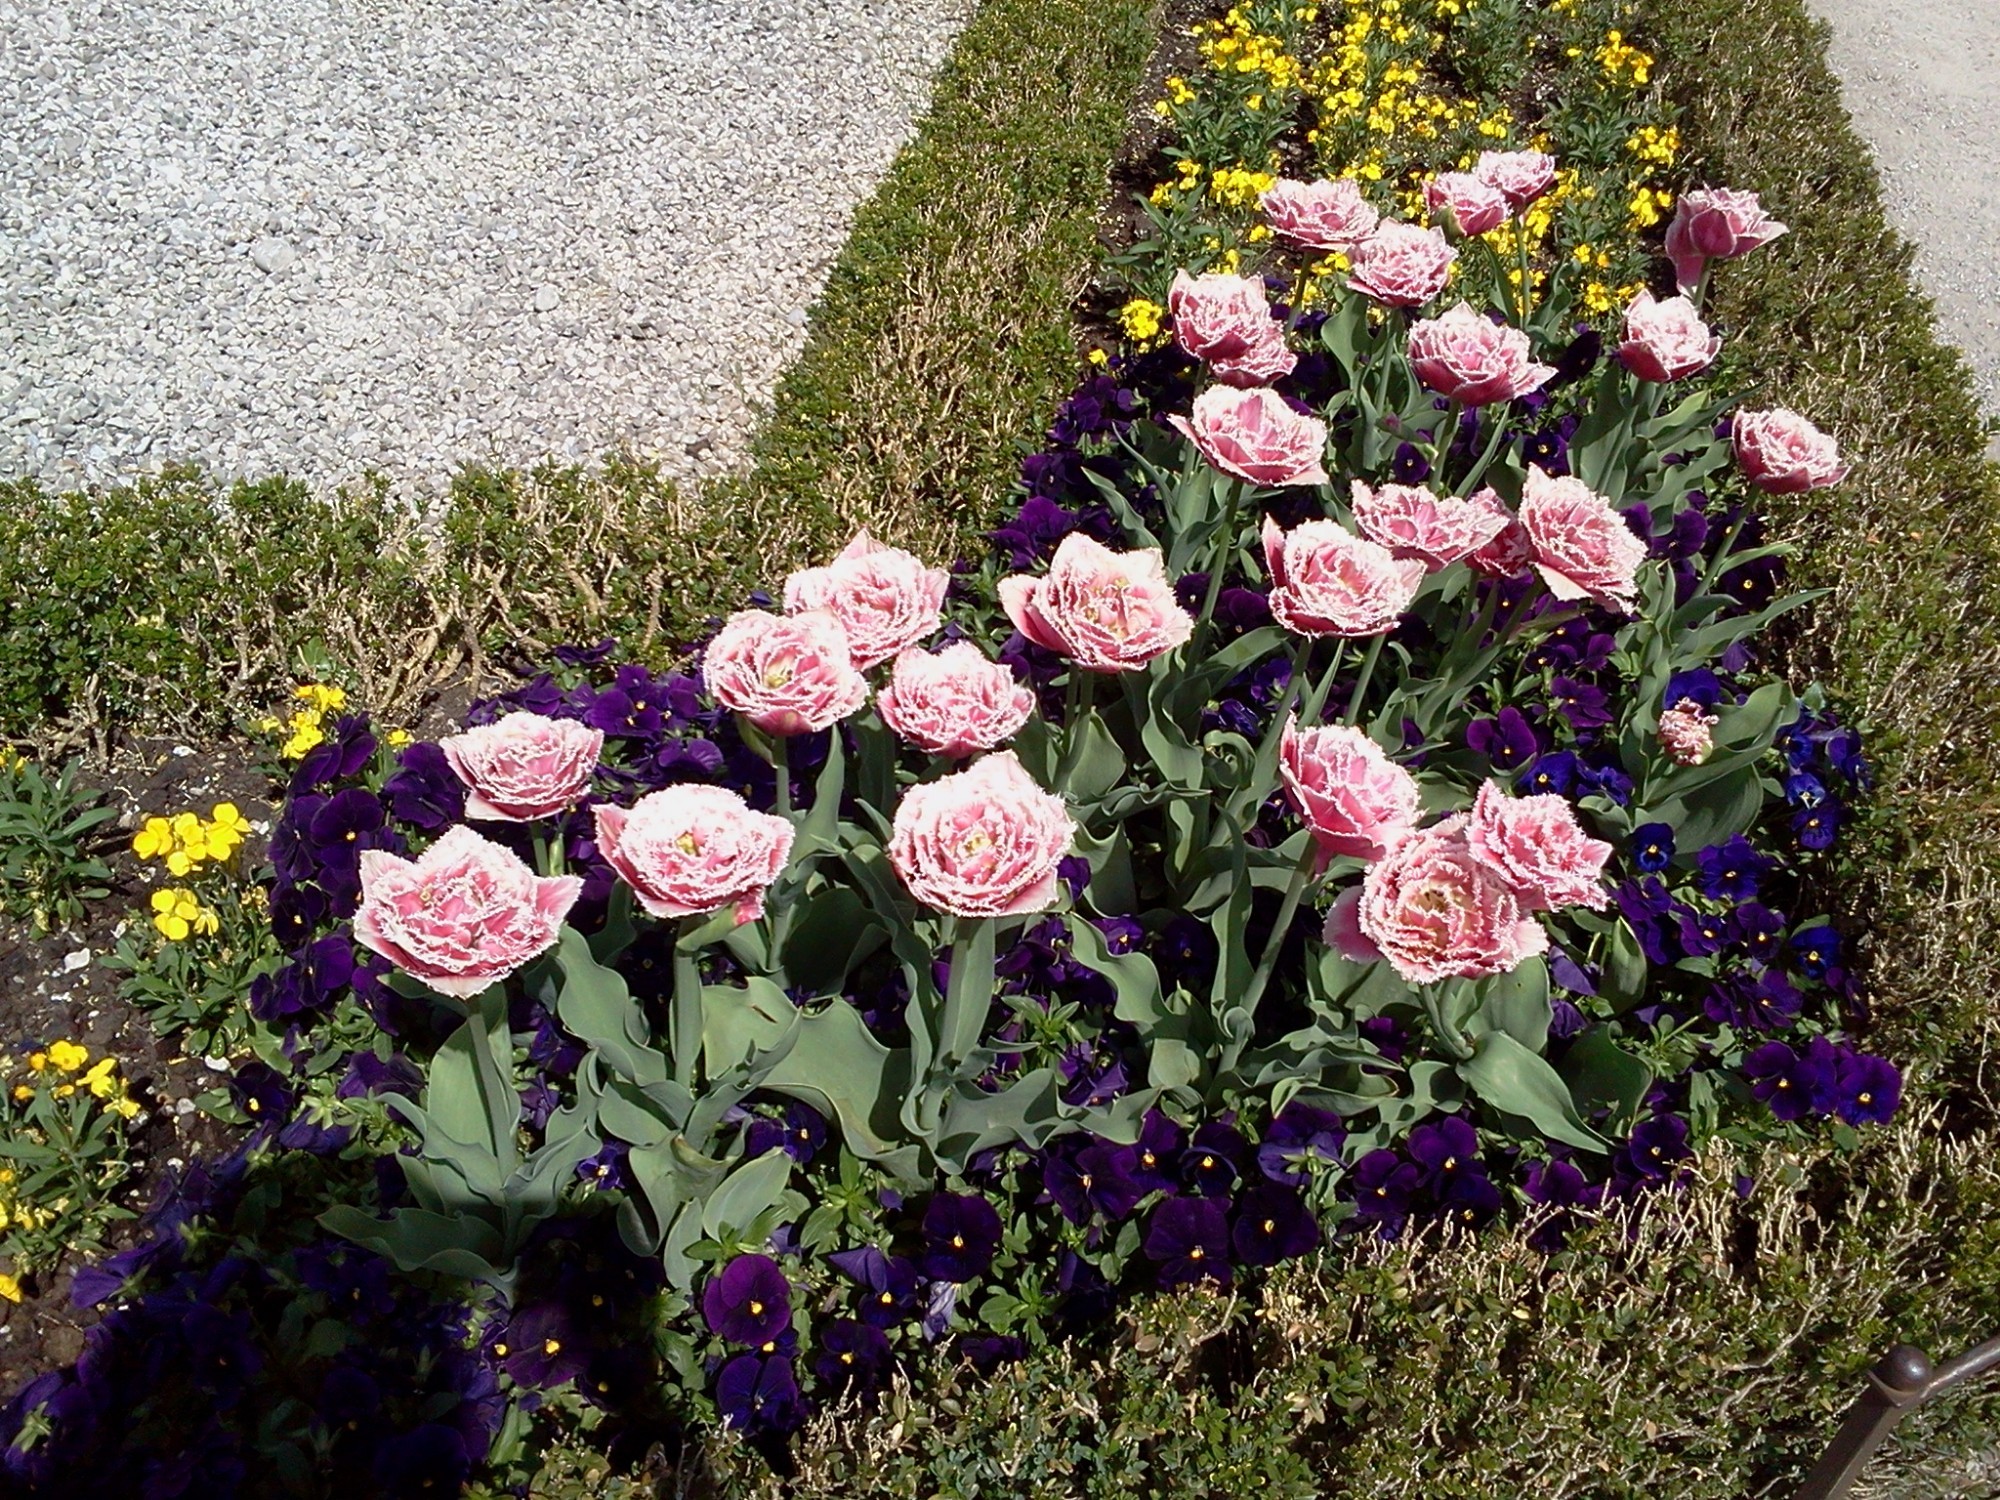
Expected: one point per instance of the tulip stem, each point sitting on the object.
(1527, 275)
(687, 1004)
(1718, 564)
(1492, 450)
(1260, 978)
(1367, 673)
(781, 766)
(1447, 434)
(1225, 549)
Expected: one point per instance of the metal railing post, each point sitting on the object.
(1897, 1384)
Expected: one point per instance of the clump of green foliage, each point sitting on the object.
(50, 856)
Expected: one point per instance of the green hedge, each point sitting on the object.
(940, 346)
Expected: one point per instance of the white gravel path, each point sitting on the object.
(322, 236)
(1922, 80)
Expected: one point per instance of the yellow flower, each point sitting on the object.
(1141, 319)
(124, 1107)
(225, 815)
(304, 738)
(396, 739)
(37, 1061)
(177, 913)
(153, 840)
(9, 1288)
(324, 697)
(68, 1056)
(23, 1093)
(102, 1079)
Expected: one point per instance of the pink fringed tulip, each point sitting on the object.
(1256, 436)
(1715, 224)
(1436, 911)
(885, 598)
(1401, 265)
(1467, 205)
(1354, 798)
(1509, 554)
(1473, 360)
(1782, 453)
(1437, 530)
(1106, 611)
(1327, 581)
(954, 703)
(1319, 215)
(982, 842)
(1538, 848)
(523, 766)
(689, 850)
(1666, 340)
(462, 915)
(1226, 322)
(1583, 548)
(787, 674)
(1519, 176)
(1687, 733)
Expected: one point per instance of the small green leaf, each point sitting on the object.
(1519, 1082)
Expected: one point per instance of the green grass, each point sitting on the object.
(178, 605)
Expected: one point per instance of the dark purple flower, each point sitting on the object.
(1866, 1089)
(1652, 847)
(1121, 934)
(608, 1168)
(1092, 1177)
(1557, 771)
(756, 1393)
(1656, 1144)
(1188, 1238)
(887, 1284)
(1557, 1184)
(340, 755)
(987, 1352)
(1704, 934)
(368, 1074)
(961, 1237)
(1803, 789)
(1213, 1159)
(1508, 740)
(1471, 1199)
(1385, 1191)
(346, 823)
(1763, 1002)
(1547, 449)
(1732, 871)
(261, 1092)
(1760, 931)
(312, 981)
(423, 792)
(1583, 705)
(749, 1302)
(426, 1461)
(1444, 1150)
(1816, 950)
(1157, 1152)
(1409, 466)
(545, 1349)
(1772, 1070)
(1273, 1224)
(1816, 828)
(854, 1356)
(1300, 1135)
(1388, 1036)
(1698, 684)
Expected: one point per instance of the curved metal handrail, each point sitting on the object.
(1901, 1382)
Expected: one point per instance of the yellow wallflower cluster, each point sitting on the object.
(1234, 45)
(185, 842)
(1233, 187)
(177, 913)
(1142, 321)
(1622, 62)
(305, 727)
(61, 1069)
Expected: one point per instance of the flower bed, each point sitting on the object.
(1168, 1079)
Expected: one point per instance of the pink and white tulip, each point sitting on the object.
(1325, 215)
(1715, 224)
(1666, 340)
(1354, 798)
(1435, 911)
(689, 850)
(1519, 176)
(1583, 549)
(462, 915)
(1325, 580)
(523, 766)
(1437, 530)
(1106, 611)
(954, 703)
(1782, 453)
(982, 842)
(1539, 849)
(886, 599)
(1467, 205)
(1255, 435)
(1471, 359)
(1401, 265)
(786, 674)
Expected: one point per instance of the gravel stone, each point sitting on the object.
(323, 238)
(1921, 79)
